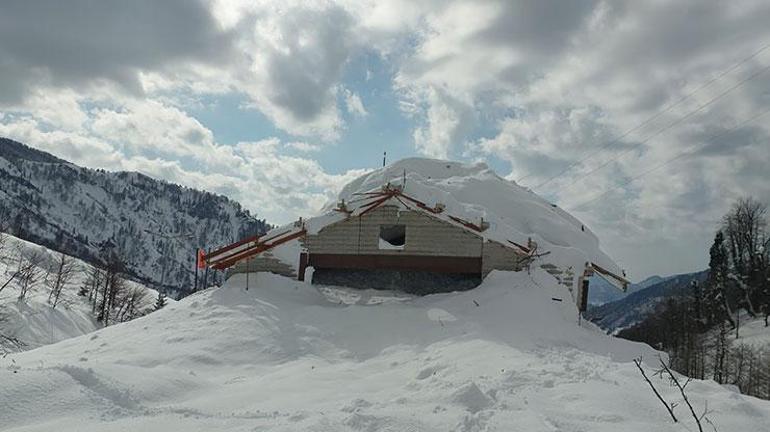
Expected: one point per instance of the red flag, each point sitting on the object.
(201, 259)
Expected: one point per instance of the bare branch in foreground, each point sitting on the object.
(676, 383)
(669, 408)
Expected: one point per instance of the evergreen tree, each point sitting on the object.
(160, 302)
(716, 305)
(697, 303)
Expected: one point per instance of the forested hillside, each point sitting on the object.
(153, 227)
(717, 324)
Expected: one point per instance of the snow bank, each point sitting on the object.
(283, 355)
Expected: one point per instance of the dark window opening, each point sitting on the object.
(392, 236)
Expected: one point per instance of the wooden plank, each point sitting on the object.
(259, 248)
(230, 247)
(606, 273)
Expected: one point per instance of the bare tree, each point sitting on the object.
(28, 272)
(113, 286)
(665, 372)
(8, 343)
(59, 277)
(20, 268)
(669, 406)
(4, 224)
(91, 285)
(745, 228)
(3, 243)
(131, 302)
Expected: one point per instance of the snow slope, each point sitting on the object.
(287, 356)
(752, 332)
(33, 321)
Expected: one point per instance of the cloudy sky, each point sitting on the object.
(642, 118)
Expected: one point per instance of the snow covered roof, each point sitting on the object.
(472, 196)
(473, 192)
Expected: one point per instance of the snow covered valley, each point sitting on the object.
(287, 356)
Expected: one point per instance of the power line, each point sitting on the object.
(671, 160)
(650, 119)
(672, 124)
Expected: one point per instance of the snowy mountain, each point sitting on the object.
(601, 291)
(288, 356)
(632, 309)
(152, 225)
(33, 322)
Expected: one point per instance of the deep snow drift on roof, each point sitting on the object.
(474, 191)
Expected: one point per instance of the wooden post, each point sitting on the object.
(195, 287)
(583, 305)
(206, 278)
(303, 260)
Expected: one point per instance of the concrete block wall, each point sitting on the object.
(264, 262)
(498, 257)
(425, 235)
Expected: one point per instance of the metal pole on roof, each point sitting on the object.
(384, 156)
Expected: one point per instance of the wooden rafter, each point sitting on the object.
(229, 255)
(606, 274)
(259, 248)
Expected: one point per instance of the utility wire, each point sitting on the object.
(650, 119)
(672, 124)
(671, 160)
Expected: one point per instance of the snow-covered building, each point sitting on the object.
(426, 226)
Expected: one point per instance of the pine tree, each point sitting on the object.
(715, 297)
(160, 302)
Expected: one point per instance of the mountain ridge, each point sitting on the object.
(633, 308)
(93, 213)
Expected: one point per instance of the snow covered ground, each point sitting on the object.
(33, 321)
(287, 356)
(752, 332)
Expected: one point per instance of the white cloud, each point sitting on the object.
(304, 147)
(354, 105)
(153, 128)
(562, 86)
